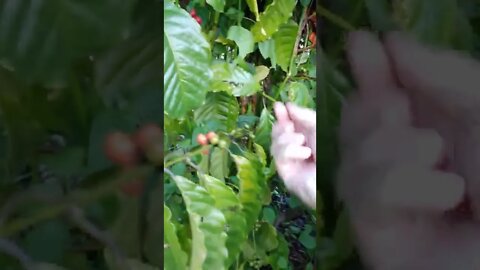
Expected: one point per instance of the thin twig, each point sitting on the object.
(77, 217)
(78, 198)
(184, 157)
(335, 19)
(10, 248)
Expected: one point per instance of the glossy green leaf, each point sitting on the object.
(267, 49)
(270, 20)
(218, 5)
(132, 66)
(261, 72)
(220, 107)
(284, 44)
(233, 79)
(39, 34)
(186, 62)
(299, 94)
(266, 237)
(227, 201)
(263, 132)
(174, 256)
(219, 163)
(243, 38)
(252, 185)
(207, 225)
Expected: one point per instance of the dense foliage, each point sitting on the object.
(76, 78)
(225, 64)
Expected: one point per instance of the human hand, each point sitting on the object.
(410, 143)
(294, 150)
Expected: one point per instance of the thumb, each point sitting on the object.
(305, 117)
(445, 77)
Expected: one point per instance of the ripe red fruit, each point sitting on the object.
(120, 149)
(198, 19)
(147, 134)
(313, 38)
(202, 139)
(193, 12)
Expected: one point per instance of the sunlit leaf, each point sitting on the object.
(186, 62)
(270, 20)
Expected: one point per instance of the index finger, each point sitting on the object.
(369, 63)
(446, 77)
(281, 113)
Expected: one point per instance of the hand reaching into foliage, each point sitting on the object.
(410, 144)
(294, 150)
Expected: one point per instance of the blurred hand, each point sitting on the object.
(410, 143)
(294, 150)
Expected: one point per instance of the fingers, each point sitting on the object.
(363, 115)
(307, 118)
(289, 146)
(369, 63)
(281, 113)
(420, 189)
(446, 77)
(400, 145)
(394, 167)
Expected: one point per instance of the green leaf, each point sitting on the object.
(284, 43)
(46, 266)
(299, 94)
(243, 38)
(186, 62)
(270, 20)
(218, 5)
(269, 215)
(252, 185)
(219, 166)
(307, 239)
(233, 79)
(380, 14)
(260, 151)
(252, 5)
(67, 162)
(207, 225)
(226, 200)
(267, 49)
(175, 257)
(261, 72)
(132, 66)
(451, 29)
(126, 230)
(266, 237)
(39, 34)
(221, 107)
(263, 131)
(55, 233)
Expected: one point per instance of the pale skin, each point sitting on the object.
(415, 108)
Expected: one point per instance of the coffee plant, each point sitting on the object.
(81, 139)
(225, 64)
